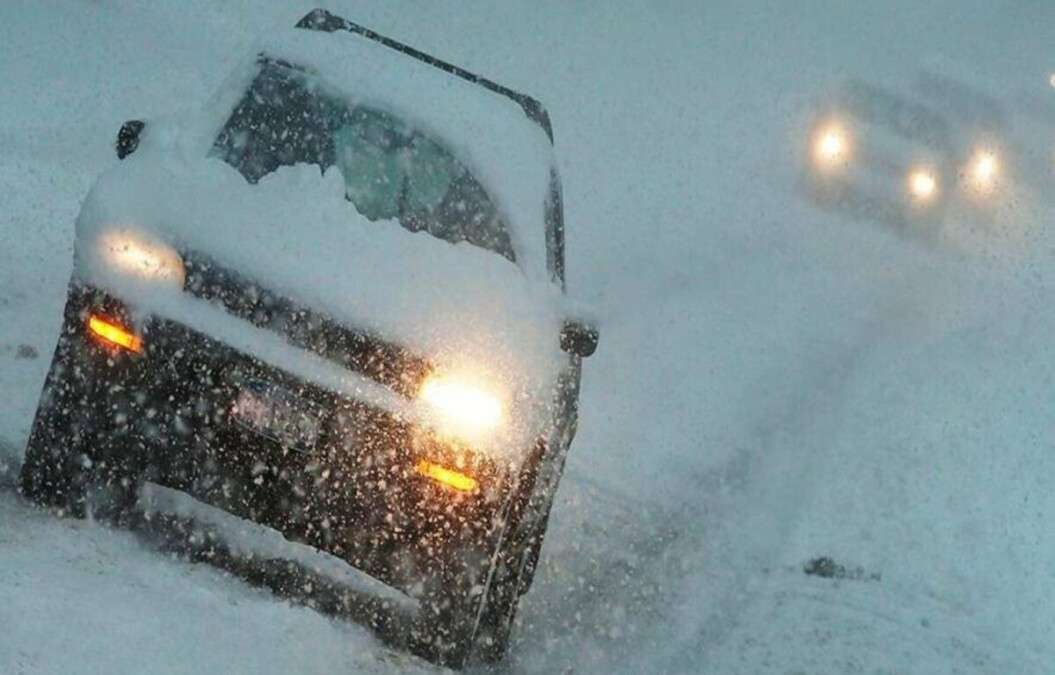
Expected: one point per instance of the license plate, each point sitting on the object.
(278, 414)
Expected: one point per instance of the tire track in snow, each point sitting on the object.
(761, 492)
(618, 571)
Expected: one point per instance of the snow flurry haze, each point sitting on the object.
(776, 382)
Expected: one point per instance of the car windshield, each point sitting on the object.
(391, 170)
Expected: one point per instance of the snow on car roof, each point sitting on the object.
(322, 20)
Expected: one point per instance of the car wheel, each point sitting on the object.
(477, 626)
(499, 611)
(56, 465)
(65, 463)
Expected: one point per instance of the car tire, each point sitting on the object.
(478, 628)
(487, 627)
(491, 639)
(56, 465)
(71, 428)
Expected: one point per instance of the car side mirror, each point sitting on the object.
(579, 338)
(128, 138)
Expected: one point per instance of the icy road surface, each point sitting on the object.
(774, 382)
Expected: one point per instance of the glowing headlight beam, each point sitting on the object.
(463, 406)
(922, 184)
(132, 254)
(984, 170)
(831, 147)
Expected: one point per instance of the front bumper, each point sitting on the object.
(166, 415)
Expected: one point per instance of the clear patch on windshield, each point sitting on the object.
(391, 171)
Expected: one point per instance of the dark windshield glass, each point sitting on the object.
(391, 171)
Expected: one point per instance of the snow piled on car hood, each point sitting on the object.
(464, 308)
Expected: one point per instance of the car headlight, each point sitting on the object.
(922, 184)
(463, 407)
(132, 253)
(831, 147)
(984, 171)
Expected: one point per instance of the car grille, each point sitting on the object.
(354, 494)
(381, 361)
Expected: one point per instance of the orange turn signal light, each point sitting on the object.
(115, 334)
(449, 477)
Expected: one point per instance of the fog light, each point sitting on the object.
(113, 334)
(449, 477)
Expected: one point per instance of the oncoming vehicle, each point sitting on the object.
(920, 162)
(331, 302)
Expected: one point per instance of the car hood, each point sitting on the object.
(461, 307)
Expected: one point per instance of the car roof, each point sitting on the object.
(322, 20)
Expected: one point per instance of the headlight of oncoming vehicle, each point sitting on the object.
(922, 184)
(132, 253)
(983, 171)
(830, 147)
(463, 407)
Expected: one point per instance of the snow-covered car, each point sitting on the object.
(332, 302)
(914, 161)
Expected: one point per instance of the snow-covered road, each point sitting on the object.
(774, 382)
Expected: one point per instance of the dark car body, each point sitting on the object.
(134, 397)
